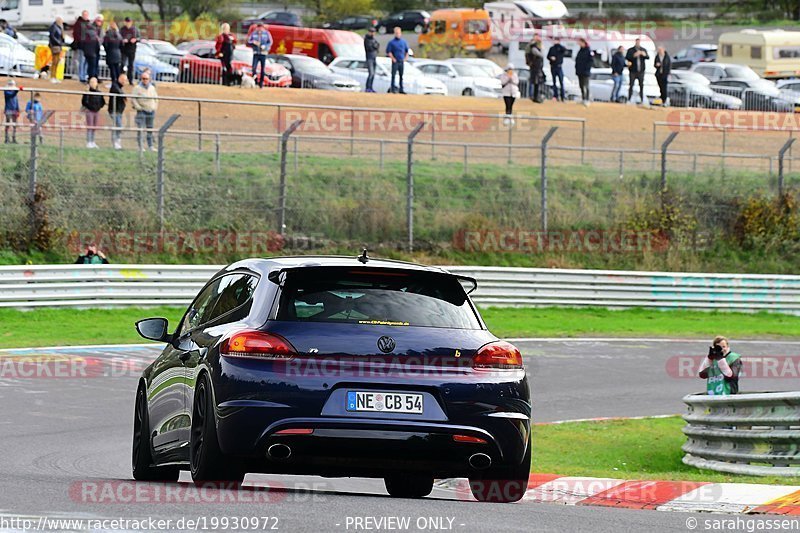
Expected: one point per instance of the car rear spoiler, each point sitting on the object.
(278, 277)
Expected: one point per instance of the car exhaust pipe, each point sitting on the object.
(279, 452)
(480, 461)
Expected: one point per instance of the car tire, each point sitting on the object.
(408, 486)
(503, 484)
(467, 92)
(142, 457)
(206, 460)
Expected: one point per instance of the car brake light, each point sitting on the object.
(257, 345)
(295, 431)
(468, 438)
(499, 354)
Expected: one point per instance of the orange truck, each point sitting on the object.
(465, 28)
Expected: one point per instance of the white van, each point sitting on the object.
(515, 21)
(41, 13)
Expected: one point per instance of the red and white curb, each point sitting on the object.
(688, 496)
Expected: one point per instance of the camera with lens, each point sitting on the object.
(715, 352)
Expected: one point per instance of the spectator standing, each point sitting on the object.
(583, 69)
(510, 82)
(556, 58)
(8, 29)
(397, 50)
(93, 256)
(224, 46)
(93, 37)
(534, 57)
(116, 107)
(146, 105)
(56, 43)
(78, 37)
(130, 37)
(721, 369)
(112, 43)
(11, 110)
(260, 41)
(35, 112)
(617, 69)
(92, 104)
(663, 64)
(636, 59)
(371, 49)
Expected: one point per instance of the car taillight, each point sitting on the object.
(257, 345)
(499, 354)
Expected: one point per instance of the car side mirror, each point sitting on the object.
(453, 75)
(154, 329)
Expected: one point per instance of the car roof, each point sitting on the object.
(706, 46)
(265, 265)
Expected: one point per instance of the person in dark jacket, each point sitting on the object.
(583, 69)
(556, 58)
(663, 64)
(371, 49)
(112, 43)
(78, 36)
(93, 37)
(617, 69)
(93, 256)
(116, 107)
(534, 58)
(636, 60)
(92, 104)
(56, 43)
(130, 37)
(11, 110)
(224, 46)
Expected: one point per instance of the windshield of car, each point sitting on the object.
(348, 49)
(163, 47)
(243, 54)
(377, 296)
(471, 70)
(741, 72)
(310, 64)
(476, 26)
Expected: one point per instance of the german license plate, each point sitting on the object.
(384, 402)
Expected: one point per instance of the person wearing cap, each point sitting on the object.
(11, 111)
(130, 37)
(93, 37)
(510, 82)
(260, 41)
(371, 49)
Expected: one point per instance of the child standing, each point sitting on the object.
(11, 111)
(34, 111)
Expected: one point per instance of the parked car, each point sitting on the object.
(274, 17)
(414, 387)
(571, 89)
(164, 50)
(756, 93)
(720, 71)
(601, 85)
(15, 59)
(414, 81)
(200, 65)
(311, 73)
(462, 78)
(412, 20)
(690, 89)
(697, 53)
(160, 69)
(488, 65)
(790, 88)
(357, 22)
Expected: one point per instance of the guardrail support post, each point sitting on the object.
(664, 147)
(380, 156)
(160, 177)
(216, 153)
(199, 126)
(410, 186)
(583, 141)
(786, 146)
(510, 139)
(36, 130)
(621, 164)
(543, 184)
(282, 187)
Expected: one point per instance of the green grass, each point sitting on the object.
(55, 327)
(625, 449)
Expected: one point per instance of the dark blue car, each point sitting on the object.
(335, 366)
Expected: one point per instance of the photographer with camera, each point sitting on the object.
(721, 369)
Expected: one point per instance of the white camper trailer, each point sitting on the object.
(515, 21)
(41, 13)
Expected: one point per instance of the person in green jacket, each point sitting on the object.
(721, 369)
(93, 256)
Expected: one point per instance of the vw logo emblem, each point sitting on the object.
(386, 344)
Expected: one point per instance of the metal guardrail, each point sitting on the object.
(753, 434)
(143, 285)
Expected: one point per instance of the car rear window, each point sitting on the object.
(376, 297)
